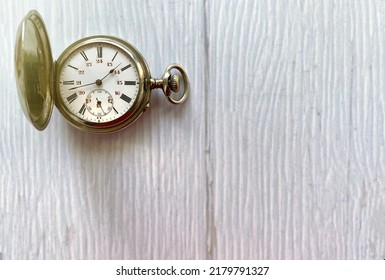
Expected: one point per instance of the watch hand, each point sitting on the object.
(99, 105)
(110, 72)
(82, 86)
(104, 113)
(98, 81)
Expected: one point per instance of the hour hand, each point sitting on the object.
(98, 103)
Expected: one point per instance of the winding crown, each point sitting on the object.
(174, 82)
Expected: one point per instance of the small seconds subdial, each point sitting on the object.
(99, 82)
(99, 102)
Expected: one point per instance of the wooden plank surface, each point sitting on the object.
(278, 153)
(297, 135)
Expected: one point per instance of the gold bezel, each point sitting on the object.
(136, 110)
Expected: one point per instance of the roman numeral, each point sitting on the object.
(82, 109)
(68, 83)
(125, 67)
(114, 56)
(130, 83)
(84, 55)
(73, 67)
(72, 97)
(125, 98)
(100, 51)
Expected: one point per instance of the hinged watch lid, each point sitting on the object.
(33, 66)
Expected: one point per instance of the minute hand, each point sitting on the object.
(110, 72)
(82, 86)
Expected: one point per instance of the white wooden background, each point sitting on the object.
(279, 152)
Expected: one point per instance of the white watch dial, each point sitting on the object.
(99, 82)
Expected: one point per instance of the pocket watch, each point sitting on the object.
(100, 84)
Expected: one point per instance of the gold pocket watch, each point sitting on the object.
(100, 84)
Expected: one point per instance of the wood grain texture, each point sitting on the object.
(297, 135)
(278, 153)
